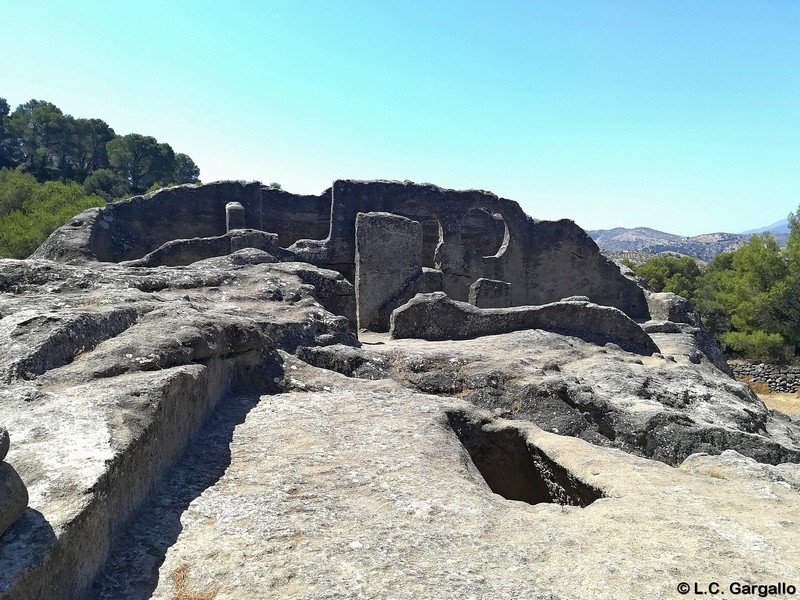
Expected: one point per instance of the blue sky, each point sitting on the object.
(679, 115)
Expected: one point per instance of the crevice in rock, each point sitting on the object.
(516, 469)
(61, 339)
(155, 527)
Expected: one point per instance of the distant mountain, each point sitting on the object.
(620, 239)
(781, 226)
(651, 241)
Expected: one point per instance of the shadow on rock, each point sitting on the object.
(132, 570)
(24, 545)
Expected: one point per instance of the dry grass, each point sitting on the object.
(785, 403)
(759, 387)
(180, 579)
(782, 402)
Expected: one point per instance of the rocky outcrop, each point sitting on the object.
(543, 261)
(216, 427)
(110, 370)
(437, 317)
(370, 491)
(388, 261)
(666, 306)
(185, 252)
(665, 407)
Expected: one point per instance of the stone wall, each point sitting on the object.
(543, 261)
(779, 378)
(294, 216)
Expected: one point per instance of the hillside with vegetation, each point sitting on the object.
(620, 241)
(749, 299)
(54, 165)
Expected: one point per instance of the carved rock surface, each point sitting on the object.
(368, 492)
(542, 260)
(109, 370)
(387, 479)
(13, 493)
(13, 496)
(663, 406)
(437, 317)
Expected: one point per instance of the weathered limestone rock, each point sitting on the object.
(5, 442)
(490, 293)
(543, 260)
(683, 339)
(13, 497)
(731, 465)
(663, 407)
(369, 493)
(517, 465)
(109, 370)
(13, 494)
(177, 253)
(388, 260)
(666, 306)
(234, 216)
(437, 317)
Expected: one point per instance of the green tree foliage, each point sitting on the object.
(38, 138)
(45, 156)
(106, 184)
(6, 141)
(16, 188)
(42, 134)
(185, 170)
(140, 161)
(671, 274)
(758, 345)
(36, 210)
(90, 155)
(749, 299)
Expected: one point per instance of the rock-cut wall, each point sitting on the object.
(479, 236)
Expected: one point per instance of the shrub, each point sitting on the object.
(47, 207)
(758, 345)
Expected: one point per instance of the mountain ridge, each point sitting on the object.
(652, 241)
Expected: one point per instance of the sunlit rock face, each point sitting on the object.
(200, 401)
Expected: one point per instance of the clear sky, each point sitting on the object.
(681, 115)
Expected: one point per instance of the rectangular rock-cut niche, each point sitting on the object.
(515, 469)
(490, 293)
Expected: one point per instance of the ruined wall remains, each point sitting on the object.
(490, 293)
(294, 217)
(544, 261)
(388, 255)
(466, 235)
(438, 317)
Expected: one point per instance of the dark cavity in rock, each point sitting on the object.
(517, 470)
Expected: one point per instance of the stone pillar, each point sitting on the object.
(490, 293)
(234, 216)
(388, 259)
(13, 494)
